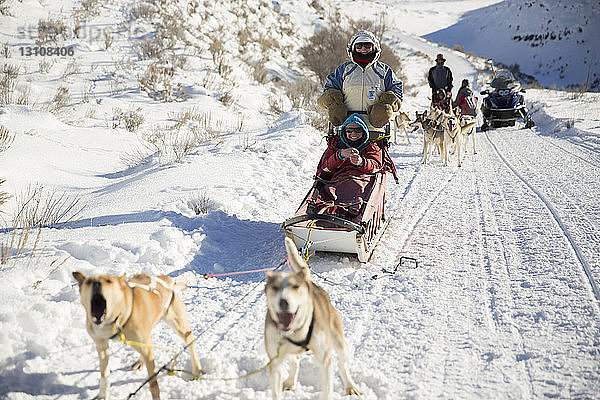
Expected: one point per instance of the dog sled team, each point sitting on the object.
(299, 318)
(343, 211)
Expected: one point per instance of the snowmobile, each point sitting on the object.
(357, 232)
(505, 104)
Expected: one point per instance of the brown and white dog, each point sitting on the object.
(128, 309)
(300, 318)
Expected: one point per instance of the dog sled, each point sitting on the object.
(313, 230)
(352, 224)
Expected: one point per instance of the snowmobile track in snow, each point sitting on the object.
(552, 210)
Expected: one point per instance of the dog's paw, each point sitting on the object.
(137, 365)
(197, 374)
(352, 390)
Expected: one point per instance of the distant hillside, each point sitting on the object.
(556, 41)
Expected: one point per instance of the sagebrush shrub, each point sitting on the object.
(157, 81)
(326, 49)
(49, 30)
(131, 119)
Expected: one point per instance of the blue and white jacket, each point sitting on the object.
(363, 86)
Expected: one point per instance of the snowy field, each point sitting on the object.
(504, 303)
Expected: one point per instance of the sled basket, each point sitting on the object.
(329, 228)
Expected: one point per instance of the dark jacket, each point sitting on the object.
(440, 77)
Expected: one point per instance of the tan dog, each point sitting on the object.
(401, 123)
(453, 137)
(300, 318)
(120, 308)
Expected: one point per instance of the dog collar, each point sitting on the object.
(306, 341)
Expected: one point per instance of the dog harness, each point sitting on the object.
(306, 341)
(119, 326)
(152, 288)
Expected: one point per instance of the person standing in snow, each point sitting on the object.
(440, 77)
(362, 85)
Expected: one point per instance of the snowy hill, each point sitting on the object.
(556, 41)
(178, 137)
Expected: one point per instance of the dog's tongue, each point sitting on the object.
(286, 320)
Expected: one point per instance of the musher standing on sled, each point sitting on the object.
(440, 77)
(362, 85)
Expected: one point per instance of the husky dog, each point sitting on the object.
(401, 123)
(300, 318)
(434, 135)
(455, 134)
(468, 132)
(128, 309)
(453, 137)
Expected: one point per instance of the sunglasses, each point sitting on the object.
(351, 130)
(359, 46)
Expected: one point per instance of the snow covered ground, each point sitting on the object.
(503, 305)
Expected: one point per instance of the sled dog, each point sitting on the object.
(300, 318)
(455, 134)
(470, 132)
(128, 309)
(453, 138)
(401, 123)
(421, 123)
(433, 135)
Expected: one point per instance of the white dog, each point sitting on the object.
(300, 318)
(469, 133)
(455, 134)
(401, 123)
